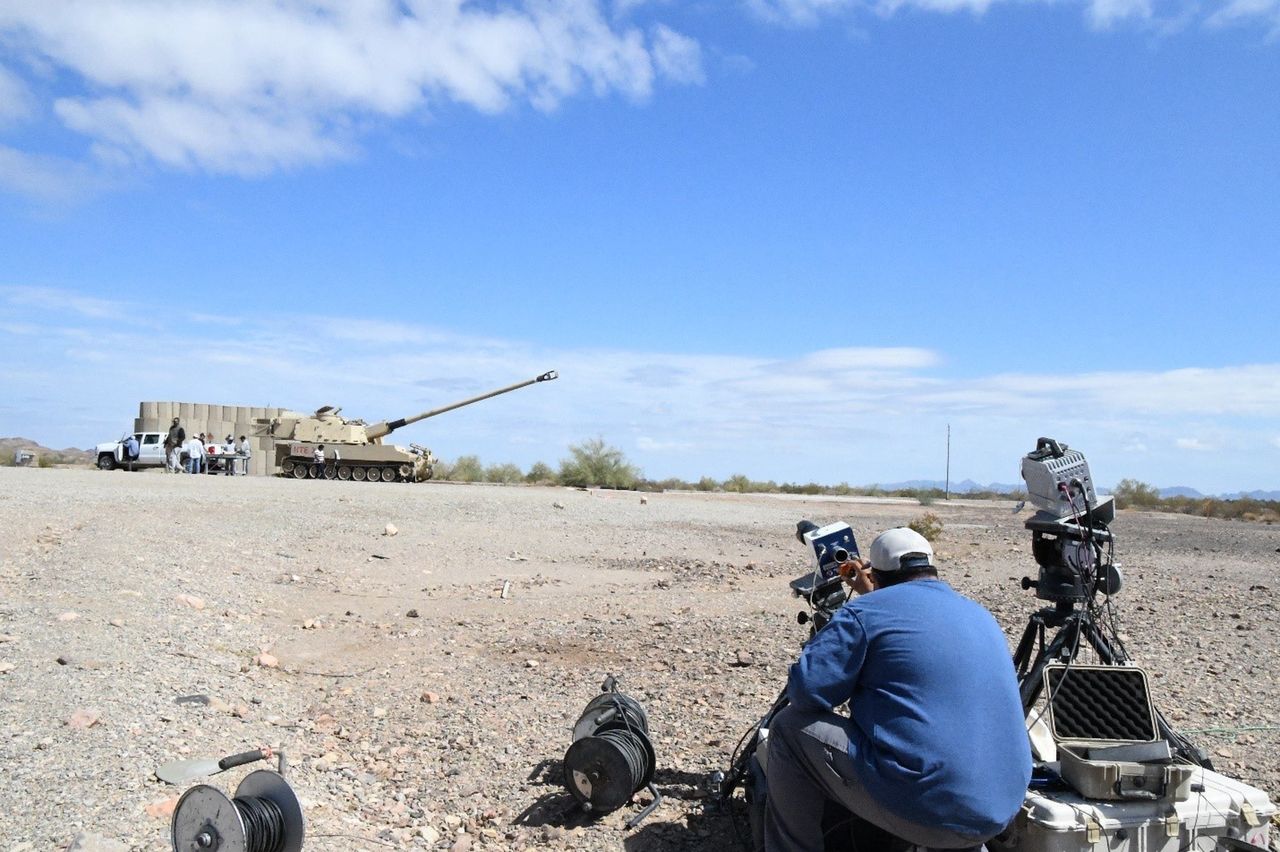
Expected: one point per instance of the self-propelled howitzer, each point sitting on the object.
(353, 449)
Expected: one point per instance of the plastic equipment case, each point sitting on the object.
(1112, 786)
(1216, 808)
(1108, 745)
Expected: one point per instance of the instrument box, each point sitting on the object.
(1108, 744)
(1216, 808)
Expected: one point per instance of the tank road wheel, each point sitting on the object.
(106, 461)
(344, 473)
(311, 472)
(287, 468)
(358, 474)
(299, 471)
(330, 471)
(406, 472)
(388, 474)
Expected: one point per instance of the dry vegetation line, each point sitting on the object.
(280, 612)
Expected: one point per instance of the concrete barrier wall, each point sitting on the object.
(216, 421)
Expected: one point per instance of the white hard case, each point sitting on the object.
(1064, 821)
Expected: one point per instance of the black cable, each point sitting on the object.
(263, 823)
(626, 743)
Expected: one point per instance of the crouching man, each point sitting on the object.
(934, 749)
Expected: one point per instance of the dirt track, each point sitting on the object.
(405, 732)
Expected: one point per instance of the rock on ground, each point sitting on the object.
(447, 730)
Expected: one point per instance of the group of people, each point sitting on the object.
(183, 455)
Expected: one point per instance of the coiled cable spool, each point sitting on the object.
(611, 757)
(264, 816)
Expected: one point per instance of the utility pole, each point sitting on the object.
(948, 492)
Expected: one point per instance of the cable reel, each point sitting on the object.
(611, 757)
(264, 816)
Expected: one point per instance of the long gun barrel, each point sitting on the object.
(386, 427)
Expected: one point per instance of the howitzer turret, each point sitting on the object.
(353, 449)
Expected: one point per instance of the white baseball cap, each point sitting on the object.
(891, 547)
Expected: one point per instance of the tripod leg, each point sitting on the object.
(1029, 685)
(1022, 654)
(1101, 644)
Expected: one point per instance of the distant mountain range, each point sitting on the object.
(968, 486)
(71, 455)
(1185, 491)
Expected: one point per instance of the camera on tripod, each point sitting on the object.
(1070, 540)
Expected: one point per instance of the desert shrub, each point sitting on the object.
(738, 484)
(7, 458)
(541, 472)
(467, 469)
(594, 462)
(928, 525)
(1132, 494)
(44, 460)
(507, 473)
(673, 483)
(706, 483)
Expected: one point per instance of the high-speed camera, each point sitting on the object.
(829, 547)
(1059, 483)
(1070, 539)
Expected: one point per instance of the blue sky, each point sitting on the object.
(788, 238)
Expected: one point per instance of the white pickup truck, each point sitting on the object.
(150, 451)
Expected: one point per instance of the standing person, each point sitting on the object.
(172, 446)
(202, 465)
(131, 450)
(247, 452)
(229, 462)
(195, 452)
(935, 748)
(317, 456)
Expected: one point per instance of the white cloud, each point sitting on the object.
(1101, 14)
(15, 100)
(50, 299)
(244, 88)
(677, 56)
(645, 442)
(796, 12)
(1104, 13)
(855, 414)
(47, 178)
(1238, 11)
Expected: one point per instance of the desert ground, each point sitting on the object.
(146, 618)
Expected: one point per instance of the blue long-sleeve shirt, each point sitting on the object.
(938, 734)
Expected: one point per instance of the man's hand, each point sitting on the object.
(857, 573)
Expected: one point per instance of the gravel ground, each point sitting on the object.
(421, 708)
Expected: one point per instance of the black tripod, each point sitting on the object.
(1073, 622)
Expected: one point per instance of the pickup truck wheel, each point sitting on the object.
(106, 461)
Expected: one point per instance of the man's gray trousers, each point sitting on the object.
(808, 763)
